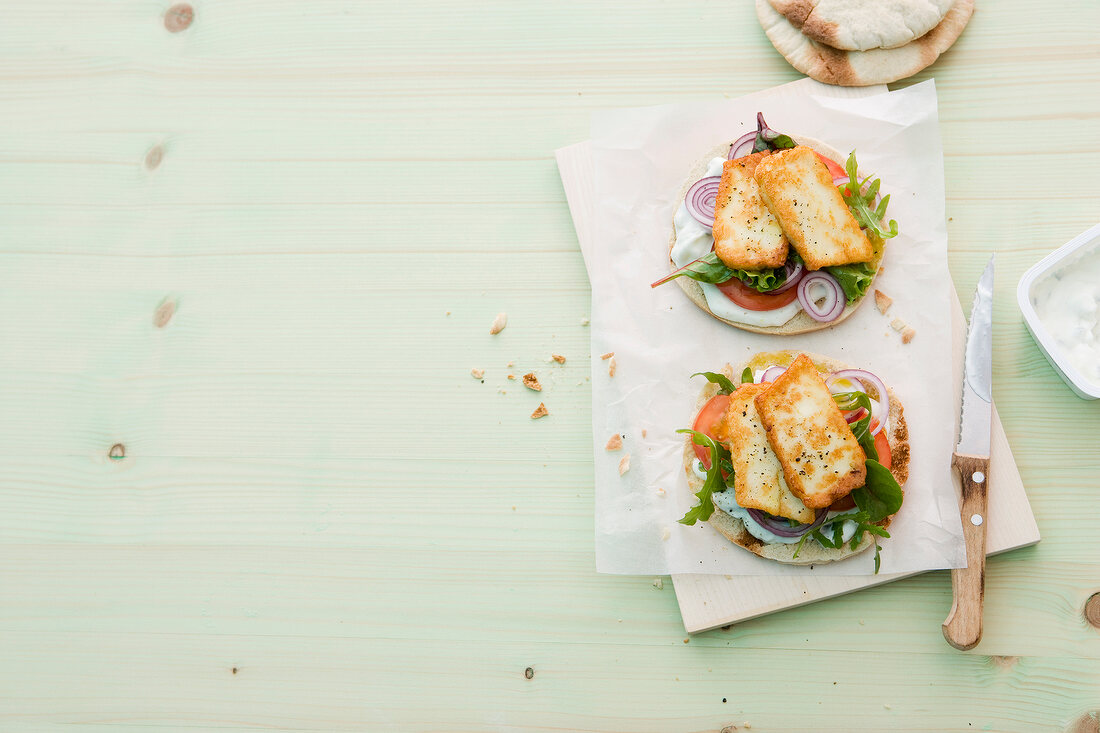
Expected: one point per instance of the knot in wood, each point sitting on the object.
(529, 673)
(154, 157)
(1092, 610)
(117, 452)
(179, 17)
(164, 313)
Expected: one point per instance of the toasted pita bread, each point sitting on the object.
(860, 25)
(861, 68)
(800, 323)
(812, 552)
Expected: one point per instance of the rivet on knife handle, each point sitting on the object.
(963, 627)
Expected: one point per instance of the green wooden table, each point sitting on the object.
(246, 266)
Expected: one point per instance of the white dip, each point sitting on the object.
(693, 240)
(1068, 305)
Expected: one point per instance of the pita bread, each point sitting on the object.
(734, 529)
(861, 68)
(800, 323)
(860, 25)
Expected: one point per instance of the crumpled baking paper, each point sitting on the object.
(622, 189)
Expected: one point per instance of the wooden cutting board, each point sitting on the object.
(710, 601)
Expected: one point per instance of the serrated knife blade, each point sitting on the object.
(977, 397)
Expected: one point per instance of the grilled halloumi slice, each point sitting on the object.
(798, 190)
(746, 234)
(757, 476)
(821, 458)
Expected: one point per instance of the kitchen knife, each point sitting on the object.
(963, 627)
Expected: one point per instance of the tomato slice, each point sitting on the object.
(836, 170)
(706, 421)
(752, 299)
(882, 446)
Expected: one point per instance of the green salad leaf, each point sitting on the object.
(762, 280)
(860, 197)
(725, 385)
(746, 376)
(854, 279)
(706, 269)
(769, 139)
(880, 496)
(714, 481)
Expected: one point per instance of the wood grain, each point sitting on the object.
(963, 626)
(334, 177)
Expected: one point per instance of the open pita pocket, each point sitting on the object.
(800, 322)
(811, 551)
(860, 25)
(861, 68)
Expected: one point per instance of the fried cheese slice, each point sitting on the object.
(746, 234)
(758, 481)
(797, 188)
(822, 460)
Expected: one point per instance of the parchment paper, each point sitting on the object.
(623, 203)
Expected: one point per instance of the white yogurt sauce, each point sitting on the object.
(1068, 305)
(693, 240)
(727, 502)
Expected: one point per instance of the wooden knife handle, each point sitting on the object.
(963, 627)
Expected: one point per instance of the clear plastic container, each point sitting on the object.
(1086, 244)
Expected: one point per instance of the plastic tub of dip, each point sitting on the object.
(1060, 299)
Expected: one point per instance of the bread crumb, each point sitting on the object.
(477, 373)
(658, 583)
(643, 432)
(584, 321)
(540, 411)
(665, 534)
(511, 364)
(660, 491)
(558, 358)
(498, 323)
(886, 706)
(883, 301)
(746, 725)
(624, 464)
(908, 334)
(611, 367)
(687, 640)
(615, 442)
(530, 381)
(608, 355)
(511, 376)
(897, 324)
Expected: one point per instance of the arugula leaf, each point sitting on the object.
(854, 279)
(859, 196)
(725, 385)
(798, 547)
(706, 269)
(714, 481)
(878, 560)
(862, 427)
(769, 139)
(746, 376)
(880, 496)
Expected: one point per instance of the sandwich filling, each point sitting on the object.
(797, 455)
(778, 231)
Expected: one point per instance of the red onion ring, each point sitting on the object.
(782, 528)
(739, 149)
(771, 373)
(701, 198)
(794, 274)
(867, 380)
(834, 297)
